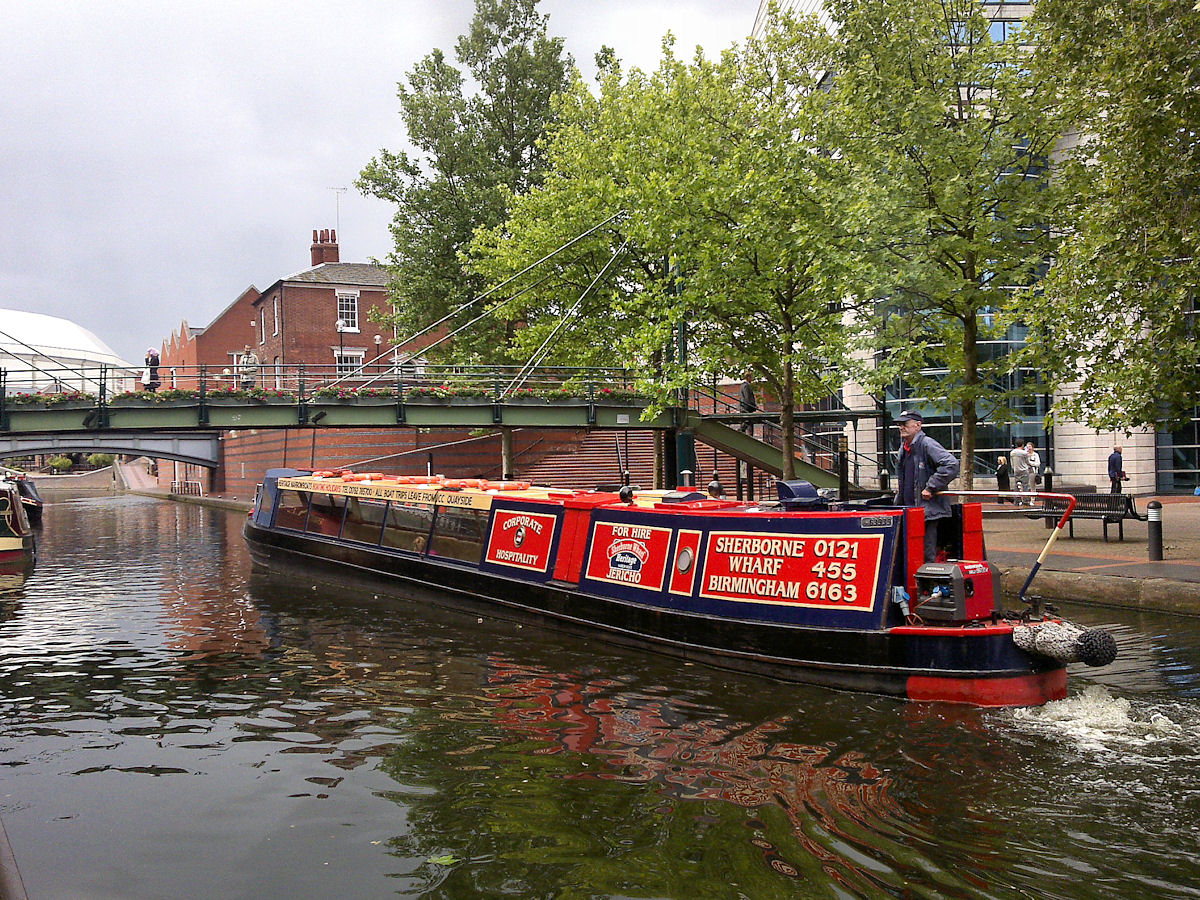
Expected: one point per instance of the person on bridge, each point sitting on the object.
(747, 403)
(150, 373)
(248, 368)
(924, 469)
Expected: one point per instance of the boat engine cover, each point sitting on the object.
(957, 591)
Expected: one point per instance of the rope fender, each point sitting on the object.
(1066, 642)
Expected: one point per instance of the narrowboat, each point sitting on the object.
(16, 536)
(30, 498)
(805, 588)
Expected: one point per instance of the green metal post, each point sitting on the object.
(203, 412)
(401, 414)
(302, 411)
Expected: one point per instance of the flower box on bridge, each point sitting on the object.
(235, 413)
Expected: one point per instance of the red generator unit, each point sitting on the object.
(957, 591)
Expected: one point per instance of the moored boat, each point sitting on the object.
(804, 589)
(30, 498)
(16, 536)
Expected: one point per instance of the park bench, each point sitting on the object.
(1108, 508)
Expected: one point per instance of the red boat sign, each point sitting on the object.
(796, 569)
(522, 540)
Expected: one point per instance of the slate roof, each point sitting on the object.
(343, 273)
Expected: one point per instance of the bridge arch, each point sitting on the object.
(197, 447)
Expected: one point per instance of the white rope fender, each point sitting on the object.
(1066, 642)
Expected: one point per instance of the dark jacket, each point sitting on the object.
(1004, 477)
(1115, 471)
(746, 400)
(935, 468)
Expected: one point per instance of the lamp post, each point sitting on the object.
(378, 364)
(341, 330)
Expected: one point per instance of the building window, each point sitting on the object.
(262, 326)
(348, 311)
(349, 362)
(275, 309)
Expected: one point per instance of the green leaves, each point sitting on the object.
(947, 136)
(730, 223)
(471, 152)
(1118, 319)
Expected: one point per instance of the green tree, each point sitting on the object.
(470, 153)
(947, 135)
(1119, 318)
(730, 222)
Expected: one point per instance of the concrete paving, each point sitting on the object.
(1087, 568)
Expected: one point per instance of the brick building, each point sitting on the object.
(216, 346)
(321, 317)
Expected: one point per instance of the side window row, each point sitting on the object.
(457, 533)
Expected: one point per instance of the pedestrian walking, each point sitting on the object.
(1035, 466)
(150, 374)
(1003, 476)
(1116, 471)
(248, 368)
(1018, 459)
(747, 402)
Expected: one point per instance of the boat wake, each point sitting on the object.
(1096, 721)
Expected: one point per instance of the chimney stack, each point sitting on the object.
(324, 247)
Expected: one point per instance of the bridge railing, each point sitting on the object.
(104, 384)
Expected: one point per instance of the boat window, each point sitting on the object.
(293, 510)
(364, 518)
(325, 515)
(458, 533)
(407, 526)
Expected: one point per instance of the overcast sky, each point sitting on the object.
(160, 157)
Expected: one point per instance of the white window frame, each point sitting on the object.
(348, 362)
(275, 307)
(347, 309)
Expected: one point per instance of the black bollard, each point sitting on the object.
(1154, 529)
(1048, 484)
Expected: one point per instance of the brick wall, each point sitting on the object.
(246, 455)
(215, 346)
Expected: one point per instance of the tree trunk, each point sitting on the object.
(787, 424)
(969, 414)
(787, 420)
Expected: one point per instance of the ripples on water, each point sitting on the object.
(174, 726)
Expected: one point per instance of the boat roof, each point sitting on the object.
(474, 493)
(478, 493)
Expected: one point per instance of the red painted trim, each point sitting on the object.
(568, 560)
(1020, 690)
(914, 546)
(972, 538)
(951, 630)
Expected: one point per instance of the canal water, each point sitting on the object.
(174, 725)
